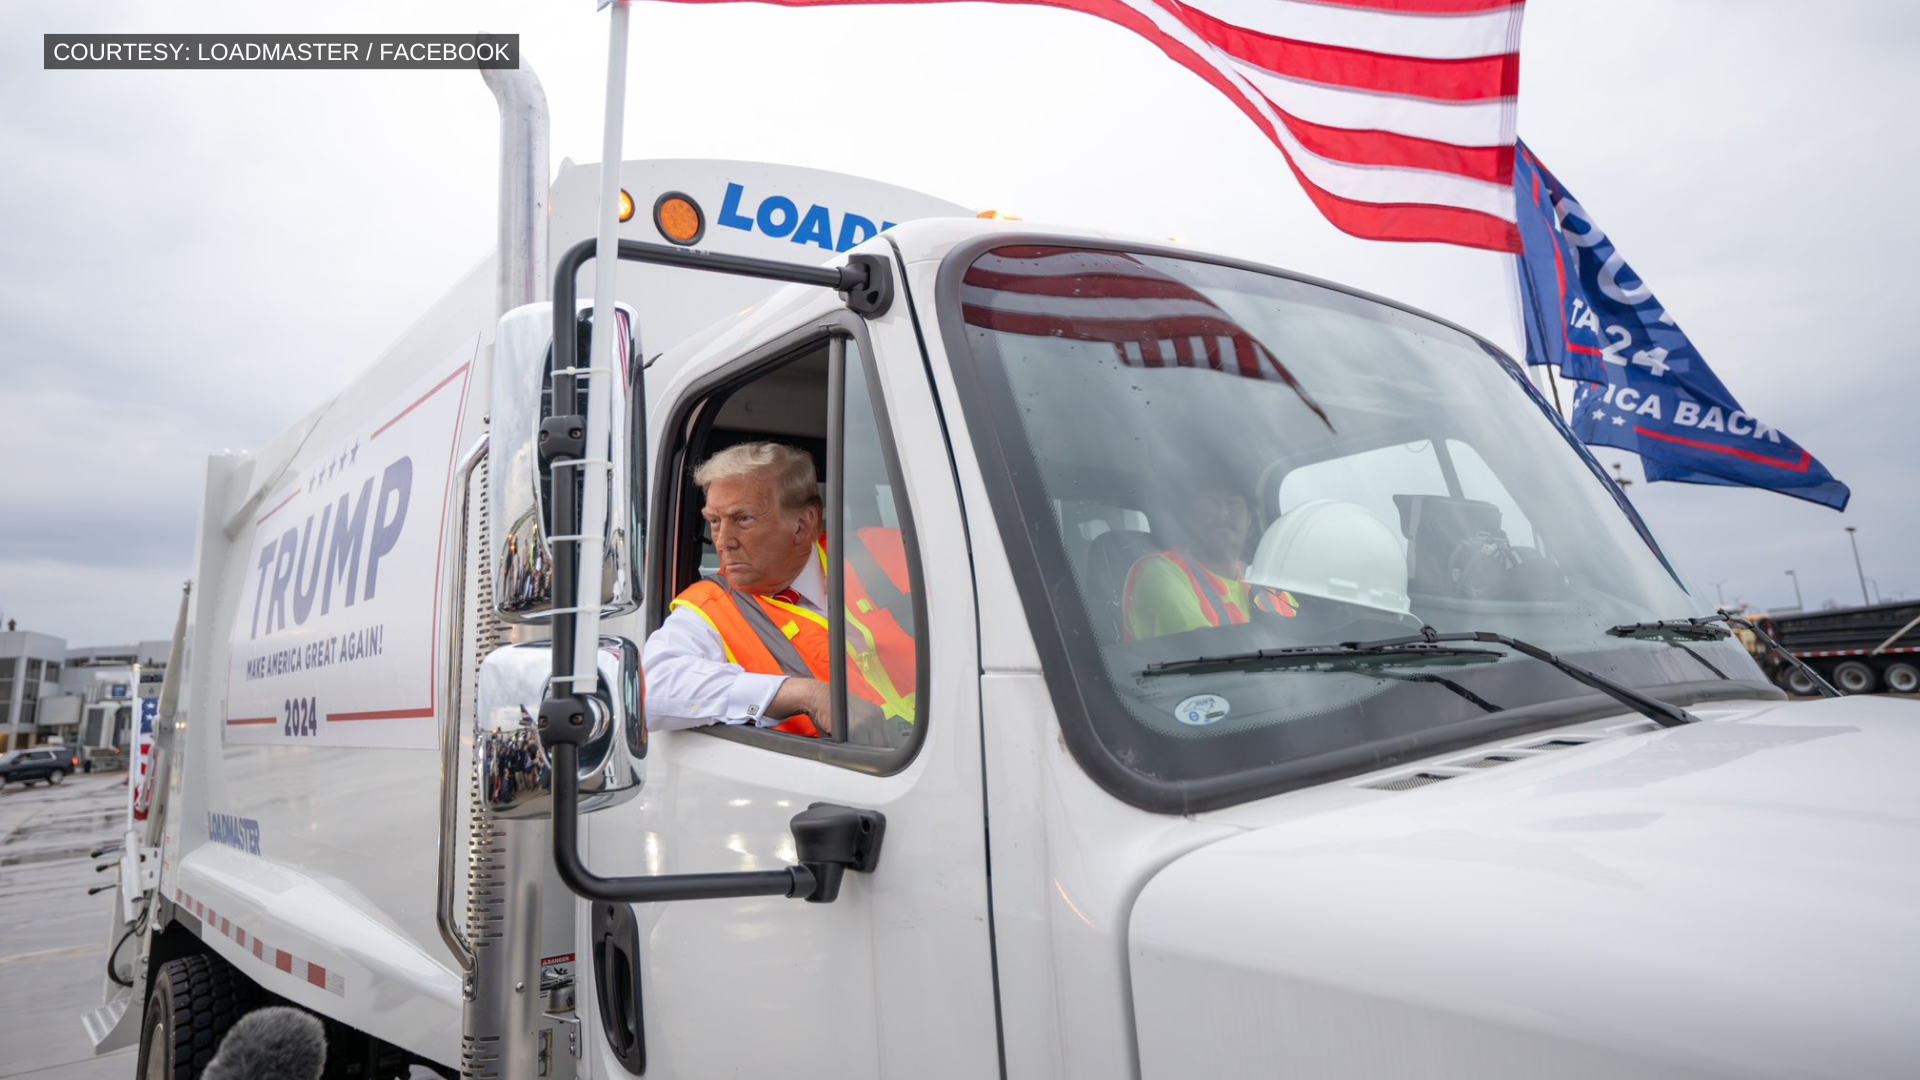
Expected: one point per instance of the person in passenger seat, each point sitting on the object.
(751, 645)
(1199, 585)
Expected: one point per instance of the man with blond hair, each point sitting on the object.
(751, 646)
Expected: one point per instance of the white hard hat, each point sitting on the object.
(1336, 550)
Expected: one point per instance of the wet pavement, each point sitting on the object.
(53, 936)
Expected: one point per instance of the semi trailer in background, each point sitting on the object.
(1860, 650)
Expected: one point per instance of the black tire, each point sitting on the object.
(1854, 677)
(1798, 682)
(55, 777)
(195, 1000)
(1902, 678)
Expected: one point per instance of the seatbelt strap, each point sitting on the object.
(769, 634)
(880, 588)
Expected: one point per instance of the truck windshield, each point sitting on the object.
(1193, 459)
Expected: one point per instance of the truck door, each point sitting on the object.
(895, 978)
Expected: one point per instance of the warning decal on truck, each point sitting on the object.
(333, 638)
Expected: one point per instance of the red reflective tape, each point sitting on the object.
(283, 960)
(317, 975)
(259, 949)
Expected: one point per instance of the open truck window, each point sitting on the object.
(797, 398)
(1207, 460)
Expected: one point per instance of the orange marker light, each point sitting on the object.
(626, 206)
(679, 219)
(995, 215)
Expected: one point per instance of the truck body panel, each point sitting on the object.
(300, 819)
(1675, 872)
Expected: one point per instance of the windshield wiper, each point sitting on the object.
(1652, 708)
(1677, 632)
(1346, 656)
(1350, 657)
(1432, 644)
(1700, 627)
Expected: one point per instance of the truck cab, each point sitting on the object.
(1189, 852)
(1283, 700)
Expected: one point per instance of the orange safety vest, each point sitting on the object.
(1208, 587)
(881, 657)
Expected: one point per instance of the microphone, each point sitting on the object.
(271, 1044)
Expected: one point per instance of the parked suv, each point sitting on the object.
(49, 763)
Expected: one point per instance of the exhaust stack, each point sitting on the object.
(521, 243)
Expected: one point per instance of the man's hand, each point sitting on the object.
(810, 696)
(867, 726)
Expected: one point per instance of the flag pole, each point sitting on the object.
(1540, 375)
(605, 366)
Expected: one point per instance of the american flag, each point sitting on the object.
(1150, 319)
(1396, 116)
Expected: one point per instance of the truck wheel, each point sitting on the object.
(1902, 678)
(195, 1000)
(1854, 677)
(1799, 682)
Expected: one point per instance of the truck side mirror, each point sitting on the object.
(519, 502)
(516, 775)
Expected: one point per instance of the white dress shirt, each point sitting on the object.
(690, 683)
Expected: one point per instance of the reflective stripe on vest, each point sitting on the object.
(865, 655)
(784, 634)
(1273, 601)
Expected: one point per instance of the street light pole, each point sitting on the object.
(1798, 604)
(1851, 539)
(1719, 593)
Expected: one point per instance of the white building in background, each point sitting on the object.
(96, 678)
(30, 666)
(50, 694)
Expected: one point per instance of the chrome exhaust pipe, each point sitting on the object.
(521, 243)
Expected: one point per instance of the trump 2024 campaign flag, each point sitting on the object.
(1396, 116)
(1642, 385)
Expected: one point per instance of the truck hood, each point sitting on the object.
(1738, 897)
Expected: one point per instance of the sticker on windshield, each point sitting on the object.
(1201, 709)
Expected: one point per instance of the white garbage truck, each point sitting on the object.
(1287, 692)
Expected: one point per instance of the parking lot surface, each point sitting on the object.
(53, 936)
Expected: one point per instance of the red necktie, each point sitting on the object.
(786, 596)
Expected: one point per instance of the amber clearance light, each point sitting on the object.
(679, 218)
(626, 206)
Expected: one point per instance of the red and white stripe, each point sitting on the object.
(289, 963)
(1150, 319)
(1854, 652)
(1396, 116)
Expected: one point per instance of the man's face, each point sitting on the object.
(1218, 521)
(762, 548)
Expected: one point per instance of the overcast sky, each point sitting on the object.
(193, 259)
